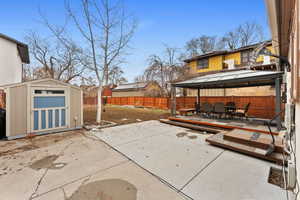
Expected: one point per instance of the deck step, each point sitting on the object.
(190, 126)
(224, 126)
(218, 140)
(254, 139)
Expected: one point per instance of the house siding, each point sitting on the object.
(11, 64)
(216, 63)
(235, 56)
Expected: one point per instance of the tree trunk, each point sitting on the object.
(99, 105)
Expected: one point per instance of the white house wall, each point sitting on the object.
(10, 63)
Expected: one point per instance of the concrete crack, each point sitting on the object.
(202, 170)
(86, 178)
(38, 184)
(65, 148)
(44, 174)
(64, 192)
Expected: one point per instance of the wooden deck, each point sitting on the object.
(225, 125)
(251, 139)
(220, 141)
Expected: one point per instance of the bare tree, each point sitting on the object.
(140, 78)
(54, 59)
(164, 69)
(250, 33)
(231, 40)
(245, 34)
(116, 76)
(203, 44)
(108, 30)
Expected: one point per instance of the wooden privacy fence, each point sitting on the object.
(260, 106)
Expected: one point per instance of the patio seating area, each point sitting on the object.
(218, 110)
(229, 79)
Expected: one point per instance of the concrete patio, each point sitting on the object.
(184, 160)
(77, 168)
(148, 161)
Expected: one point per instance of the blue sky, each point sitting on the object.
(171, 22)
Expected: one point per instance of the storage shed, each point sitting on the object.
(42, 106)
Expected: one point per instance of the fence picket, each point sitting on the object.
(261, 106)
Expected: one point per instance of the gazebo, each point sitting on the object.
(232, 79)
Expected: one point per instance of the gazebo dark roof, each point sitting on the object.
(231, 79)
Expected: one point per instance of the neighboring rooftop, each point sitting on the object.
(131, 86)
(224, 52)
(22, 48)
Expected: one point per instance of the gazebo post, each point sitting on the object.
(173, 100)
(198, 99)
(278, 102)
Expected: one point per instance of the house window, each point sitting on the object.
(245, 57)
(202, 64)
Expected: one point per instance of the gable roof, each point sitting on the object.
(224, 52)
(131, 86)
(22, 48)
(37, 81)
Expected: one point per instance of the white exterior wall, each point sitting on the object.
(10, 63)
(296, 57)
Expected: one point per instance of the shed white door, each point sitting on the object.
(49, 109)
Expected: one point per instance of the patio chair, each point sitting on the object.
(219, 109)
(197, 108)
(201, 109)
(230, 109)
(207, 108)
(242, 113)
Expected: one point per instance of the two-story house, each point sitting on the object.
(230, 60)
(13, 55)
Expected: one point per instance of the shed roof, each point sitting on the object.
(22, 48)
(131, 86)
(38, 81)
(231, 79)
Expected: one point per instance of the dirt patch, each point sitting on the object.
(192, 137)
(276, 177)
(27, 144)
(111, 189)
(185, 134)
(18, 149)
(47, 163)
(181, 134)
(117, 114)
